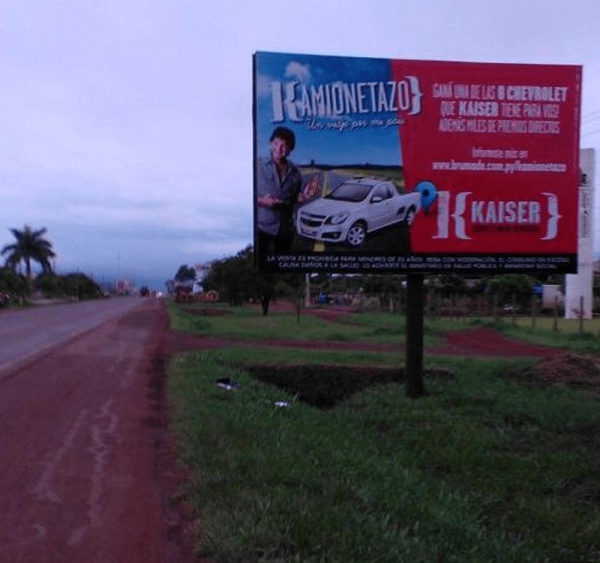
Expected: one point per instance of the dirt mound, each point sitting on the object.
(570, 369)
(325, 385)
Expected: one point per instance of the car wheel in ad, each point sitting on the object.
(410, 216)
(356, 234)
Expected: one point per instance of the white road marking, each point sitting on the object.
(43, 490)
(100, 450)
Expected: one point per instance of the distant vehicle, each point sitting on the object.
(355, 208)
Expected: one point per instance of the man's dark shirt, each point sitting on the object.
(279, 219)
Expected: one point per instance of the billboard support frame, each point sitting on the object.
(414, 386)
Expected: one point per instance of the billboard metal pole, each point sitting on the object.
(414, 336)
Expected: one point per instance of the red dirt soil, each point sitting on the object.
(554, 366)
(473, 342)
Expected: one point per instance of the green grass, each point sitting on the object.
(383, 327)
(249, 323)
(568, 326)
(487, 467)
(257, 354)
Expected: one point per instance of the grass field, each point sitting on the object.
(247, 322)
(492, 465)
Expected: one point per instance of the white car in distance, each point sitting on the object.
(356, 207)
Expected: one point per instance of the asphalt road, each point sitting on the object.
(27, 332)
(81, 422)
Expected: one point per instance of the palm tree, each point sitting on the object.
(30, 246)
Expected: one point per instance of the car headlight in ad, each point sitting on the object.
(339, 218)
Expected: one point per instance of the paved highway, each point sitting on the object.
(24, 333)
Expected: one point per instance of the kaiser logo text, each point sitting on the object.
(462, 215)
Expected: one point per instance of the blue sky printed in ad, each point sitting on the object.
(350, 137)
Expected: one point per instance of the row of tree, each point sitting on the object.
(238, 281)
(31, 246)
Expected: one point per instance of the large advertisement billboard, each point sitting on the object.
(376, 165)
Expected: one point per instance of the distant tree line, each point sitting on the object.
(238, 281)
(31, 246)
(75, 284)
(185, 273)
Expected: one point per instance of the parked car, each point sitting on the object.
(355, 208)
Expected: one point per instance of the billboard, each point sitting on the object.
(368, 165)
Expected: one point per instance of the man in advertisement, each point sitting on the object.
(279, 190)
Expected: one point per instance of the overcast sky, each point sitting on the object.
(126, 125)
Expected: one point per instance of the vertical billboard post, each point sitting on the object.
(414, 385)
(370, 166)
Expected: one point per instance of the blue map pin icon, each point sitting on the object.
(428, 193)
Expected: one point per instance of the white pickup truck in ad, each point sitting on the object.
(355, 208)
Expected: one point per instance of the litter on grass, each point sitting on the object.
(227, 383)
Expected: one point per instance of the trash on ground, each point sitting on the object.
(227, 383)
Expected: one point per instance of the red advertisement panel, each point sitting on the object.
(500, 144)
